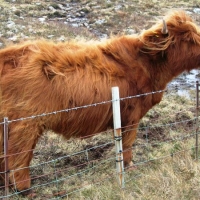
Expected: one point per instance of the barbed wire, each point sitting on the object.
(137, 164)
(57, 179)
(111, 176)
(82, 187)
(57, 159)
(84, 106)
(107, 178)
(159, 125)
(86, 185)
(60, 179)
(181, 138)
(111, 142)
(127, 129)
(161, 157)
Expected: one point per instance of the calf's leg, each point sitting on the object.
(23, 137)
(128, 138)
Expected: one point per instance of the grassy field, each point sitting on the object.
(164, 152)
(164, 157)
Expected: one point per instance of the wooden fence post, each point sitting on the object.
(6, 156)
(118, 135)
(197, 120)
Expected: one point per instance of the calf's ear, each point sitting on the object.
(8, 64)
(49, 72)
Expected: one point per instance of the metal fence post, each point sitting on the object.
(6, 156)
(118, 135)
(197, 120)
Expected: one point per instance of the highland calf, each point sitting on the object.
(40, 77)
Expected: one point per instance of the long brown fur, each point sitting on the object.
(40, 77)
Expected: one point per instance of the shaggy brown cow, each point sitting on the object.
(39, 77)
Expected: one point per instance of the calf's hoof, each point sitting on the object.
(29, 193)
(130, 166)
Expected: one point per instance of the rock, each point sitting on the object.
(96, 7)
(14, 38)
(30, 30)
(104, 36)
(61, 6)
(71, 19)
(100, 21)
(118, 7)
(130, 31)
(9, 33)
(61, 38)
(52, 8)
(13, 8)
(42, 19)
(10, 24)
(197, 10)
(23, 36)
(50, 36)
(75, 25)
(86, 24)
(86, 9)
(69, 9)
(126, 6)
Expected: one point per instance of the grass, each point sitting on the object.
(165, 165)
(119, 16)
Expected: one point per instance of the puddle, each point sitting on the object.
(186, 81)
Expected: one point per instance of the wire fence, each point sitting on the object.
(68, 167)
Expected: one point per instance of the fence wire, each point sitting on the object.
(83, 107)
(98, 162)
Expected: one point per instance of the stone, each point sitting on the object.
(61, 6)
(14, 38)
(42, 19)
(75, 25)
(52, 8)
(10, 24)
(197, 10)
